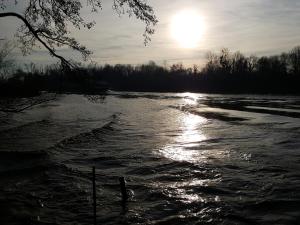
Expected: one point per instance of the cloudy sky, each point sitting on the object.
(261, 27)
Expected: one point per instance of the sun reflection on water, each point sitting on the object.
(191, 98)
(182, 190)
(192, 132)
(191, 136)
(189, 144)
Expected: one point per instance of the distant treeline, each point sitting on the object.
(224, 72)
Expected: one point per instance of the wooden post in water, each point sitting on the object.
(94, 195)
(123, 189)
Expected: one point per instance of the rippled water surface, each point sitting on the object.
(187, 158)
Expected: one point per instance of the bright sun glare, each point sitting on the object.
(187, 28)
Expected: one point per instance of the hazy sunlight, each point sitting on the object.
(187, 28)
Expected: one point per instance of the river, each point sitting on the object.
(187, 158)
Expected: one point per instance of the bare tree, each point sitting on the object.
(46, 22)
(225, 60)
(212, 64)
(6, 62)
(239, 63)
(294, 57)
(252, 63)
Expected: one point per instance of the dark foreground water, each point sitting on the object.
(188, 159)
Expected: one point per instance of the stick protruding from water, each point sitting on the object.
(94, 195)
(123, 189)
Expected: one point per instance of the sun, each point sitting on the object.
(187, 28)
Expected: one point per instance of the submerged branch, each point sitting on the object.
(6, 108)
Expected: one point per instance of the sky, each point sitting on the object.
(260, 27)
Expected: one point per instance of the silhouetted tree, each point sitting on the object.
(177, 68)
(195, 69)
(252, 63)
(267, 74)
(295, 60)
(284, 60)
(277, 66)
(151, 68)
(263, 65)
(225, 60)
(239, 63)
(212, 64)
(6, 62)
(47, 22)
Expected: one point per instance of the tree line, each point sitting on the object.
(223, 72)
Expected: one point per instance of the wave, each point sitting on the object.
(148, 96)
(22, 154)
(264, 106)
(90, 135)
(22, 163)
(25, 125)
(223, 116)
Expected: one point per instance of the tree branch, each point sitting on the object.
(35, 34)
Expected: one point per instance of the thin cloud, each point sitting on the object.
(251, 26)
